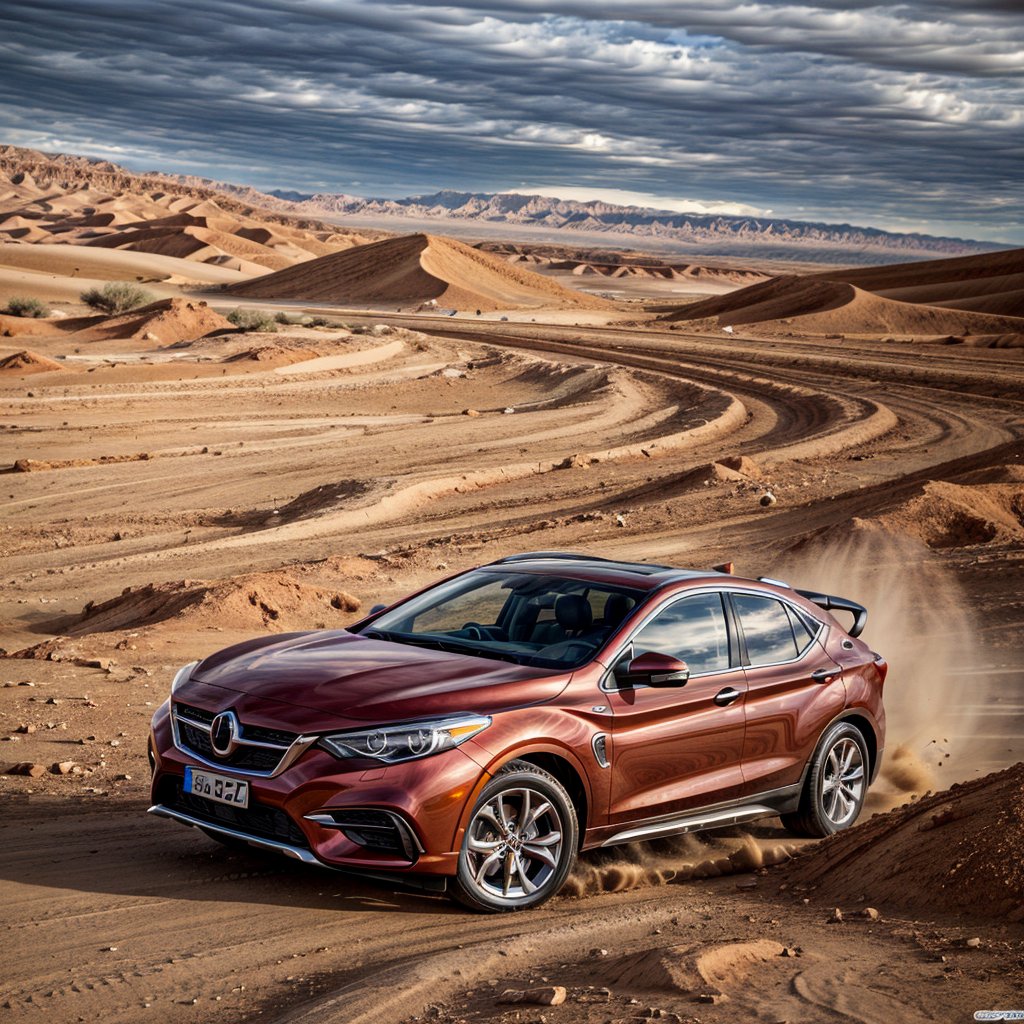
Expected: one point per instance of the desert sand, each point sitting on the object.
(974, 299)
(169, 493)
(416, 270)
(67, 224)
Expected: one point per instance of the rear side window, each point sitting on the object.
(692, 630)
(803, 627)
(768, 629)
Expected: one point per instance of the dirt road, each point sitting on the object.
(366, 475)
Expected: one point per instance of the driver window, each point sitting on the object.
(692, 630)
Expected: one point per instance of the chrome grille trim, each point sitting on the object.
(289, 754)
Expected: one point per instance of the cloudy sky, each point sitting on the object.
(908, 115)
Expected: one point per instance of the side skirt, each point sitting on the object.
(732, 812)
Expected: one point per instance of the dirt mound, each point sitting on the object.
(279, 355)
(26, 361)
(18, 326)
(165, 322)
(258, 601)
(948, 515)
(815, 306)
(742, 464)
(954, 852)
(1008, 473)
(710, 474)
(690, 970)
(413, 270)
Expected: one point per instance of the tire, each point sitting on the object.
(504, 866)
(826, 807)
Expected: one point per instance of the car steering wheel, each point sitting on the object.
(478, 632)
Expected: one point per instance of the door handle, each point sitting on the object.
(725, 697)
(823, 675)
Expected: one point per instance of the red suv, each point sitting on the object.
(476, 735)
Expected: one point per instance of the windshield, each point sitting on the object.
(532, 619)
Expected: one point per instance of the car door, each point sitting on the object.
(794, 689)
(679, 747)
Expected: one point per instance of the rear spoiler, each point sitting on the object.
(831, 603)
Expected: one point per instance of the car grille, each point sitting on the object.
(259, 820)
(193, 730)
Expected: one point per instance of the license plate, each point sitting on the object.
(216, 787)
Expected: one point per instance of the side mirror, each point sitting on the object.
(654, 669)
(377, 608)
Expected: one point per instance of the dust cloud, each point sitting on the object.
(676, 859)
(920, 621)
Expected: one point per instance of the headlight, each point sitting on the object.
(407, 741)
(182, 676)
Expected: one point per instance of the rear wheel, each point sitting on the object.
(520, 842)
(836, 784)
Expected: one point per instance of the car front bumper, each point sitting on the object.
(403, 818)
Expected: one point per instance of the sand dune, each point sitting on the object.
(623, 268)
(931, 274)
(816, 305)
(97, 206)
(987, 283)
(416, 269)
(107, 264)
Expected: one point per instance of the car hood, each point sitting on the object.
(346, 676)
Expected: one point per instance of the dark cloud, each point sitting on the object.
(904, 114)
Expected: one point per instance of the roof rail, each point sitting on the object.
(773, 582)
(569, 556)
(840, 604)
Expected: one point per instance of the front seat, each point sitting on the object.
(616, 608)
(573, 613)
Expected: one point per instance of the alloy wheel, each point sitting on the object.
(842, 782)
(514, 845)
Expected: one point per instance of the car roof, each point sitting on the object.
(638, 575)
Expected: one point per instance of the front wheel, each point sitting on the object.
(836, 785)
(520, 843)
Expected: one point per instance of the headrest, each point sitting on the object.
(573, 612)
(616, 608)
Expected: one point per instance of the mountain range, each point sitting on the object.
(512, 216)
(729, 235)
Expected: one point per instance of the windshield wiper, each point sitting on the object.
(450, 644)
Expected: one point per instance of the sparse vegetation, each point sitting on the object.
(283, 319)
(116, 297)
(253, 320)
(19, 306)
